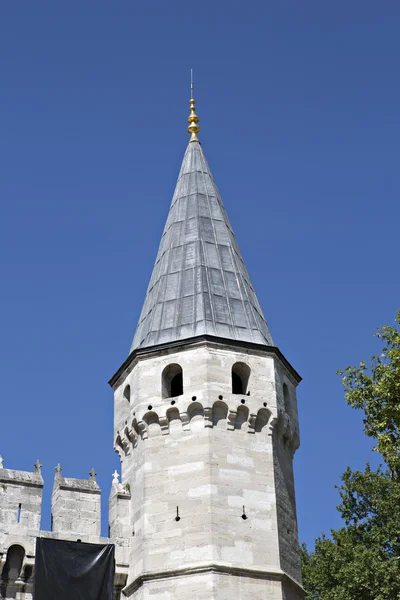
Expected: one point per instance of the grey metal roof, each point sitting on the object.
(199, 283)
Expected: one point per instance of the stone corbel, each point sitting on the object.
(130, 434)
(252, 423)
(208, 422)
(122, 443)
(272, 424)
(231, 420)
(164, 424)
(143, 430)
(296, 440)
(185, 421)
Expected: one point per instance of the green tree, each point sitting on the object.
(361, 561)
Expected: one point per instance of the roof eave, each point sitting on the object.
(137, 352)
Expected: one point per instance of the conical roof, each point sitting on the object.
(199, 285)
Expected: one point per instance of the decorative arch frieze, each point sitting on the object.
(196, 417)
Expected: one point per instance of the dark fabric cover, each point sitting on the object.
(73, 570)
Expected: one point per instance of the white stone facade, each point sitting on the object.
(209, 457)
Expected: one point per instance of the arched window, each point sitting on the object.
(13, 565)
(286, 398)
(240, 378)
(127, 393)
(172, 381)
(177, 385)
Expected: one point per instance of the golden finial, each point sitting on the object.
(193, 119)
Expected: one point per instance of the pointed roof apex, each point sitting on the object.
(199, 285)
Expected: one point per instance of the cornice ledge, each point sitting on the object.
(36, 482)
(275, 574)
(239, 344)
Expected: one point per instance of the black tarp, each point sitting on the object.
(73, 570)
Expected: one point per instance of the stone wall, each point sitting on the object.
(75, 515)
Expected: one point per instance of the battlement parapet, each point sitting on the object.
(75, 505)
(24, 478)
(20, 499)
(83, 486)
(75, 516)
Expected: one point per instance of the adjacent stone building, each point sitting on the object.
(205, 425)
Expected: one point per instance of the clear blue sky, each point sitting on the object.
(299, 107)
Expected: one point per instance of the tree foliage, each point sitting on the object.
(376, 390)
(361, 561)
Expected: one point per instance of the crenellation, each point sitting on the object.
(76, 514)
(75, 506)
(20, 502)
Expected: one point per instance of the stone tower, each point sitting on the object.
(205, 420)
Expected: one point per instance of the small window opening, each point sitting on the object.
(172, 381)
(127, 393)
(13, 565)
(240, 378)
(19, 514)
(177, 385)
(237, 386)
(286, 398)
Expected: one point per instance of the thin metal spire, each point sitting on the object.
(193, 119)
